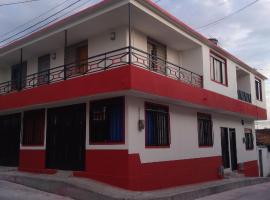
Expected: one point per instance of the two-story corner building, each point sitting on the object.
(124, 93)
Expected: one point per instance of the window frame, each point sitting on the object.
(199, 117)
(221, 59)
(168, 123)
(249, 139)
(123, 123)
(33, 114)
(258, 93)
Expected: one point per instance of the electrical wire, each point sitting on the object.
(20, 2)
(33, 19)
(26, 29)
(40, 27)
(227, 16)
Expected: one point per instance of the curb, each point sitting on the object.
(66, 188)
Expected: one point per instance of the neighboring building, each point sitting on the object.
(263, 143)
(127, 94)
(265, 124)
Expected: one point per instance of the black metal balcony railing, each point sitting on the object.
(244, 96)
(102, 62)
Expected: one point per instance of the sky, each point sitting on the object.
(245, 34)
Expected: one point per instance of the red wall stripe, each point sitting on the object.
(127, 78)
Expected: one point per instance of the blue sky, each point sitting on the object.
(246, 34)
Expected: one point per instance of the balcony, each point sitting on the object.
(102, 62)
(244, 96)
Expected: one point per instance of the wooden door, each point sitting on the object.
(82, 59)
(66, 138)
(43, 69)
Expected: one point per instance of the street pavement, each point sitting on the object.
(12, 191)
(255, 192)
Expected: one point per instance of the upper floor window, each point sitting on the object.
(249, 139)
(218, 69)
(205, 127)
(157, 125)
(107, 121)
(258, 87)
(157, 55)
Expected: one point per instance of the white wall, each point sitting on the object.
(102, 42)
(184, 135)
(193, 60)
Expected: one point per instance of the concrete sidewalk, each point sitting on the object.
(84, 189)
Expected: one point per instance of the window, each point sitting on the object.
(107, 121)
(258, 87)
(33, 127)
(218, 69)
(249, 139)
(205, 129)
(157, 56)
(157, 125)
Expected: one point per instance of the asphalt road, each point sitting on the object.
(12, 191)
(255, 192)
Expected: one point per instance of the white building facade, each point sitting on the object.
(126, 94)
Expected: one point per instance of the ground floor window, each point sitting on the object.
(107, 121)
(157, 125)
(205, 129)
(249, 139)
(33, 127)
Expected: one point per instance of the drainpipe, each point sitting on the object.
(21, 72)
(65, 53)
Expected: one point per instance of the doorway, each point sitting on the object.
(261, 163)
(228, 148)
(10, 128)
(18, 76)
(65, 147)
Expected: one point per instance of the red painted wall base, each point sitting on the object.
(251, 169)
(34, 161)
(117, 167)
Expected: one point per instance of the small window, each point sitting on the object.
(33, 127)
(249, 139)
(157, 125)
(205, 129)
(258, 87)
(107, 121)
(218, 69)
